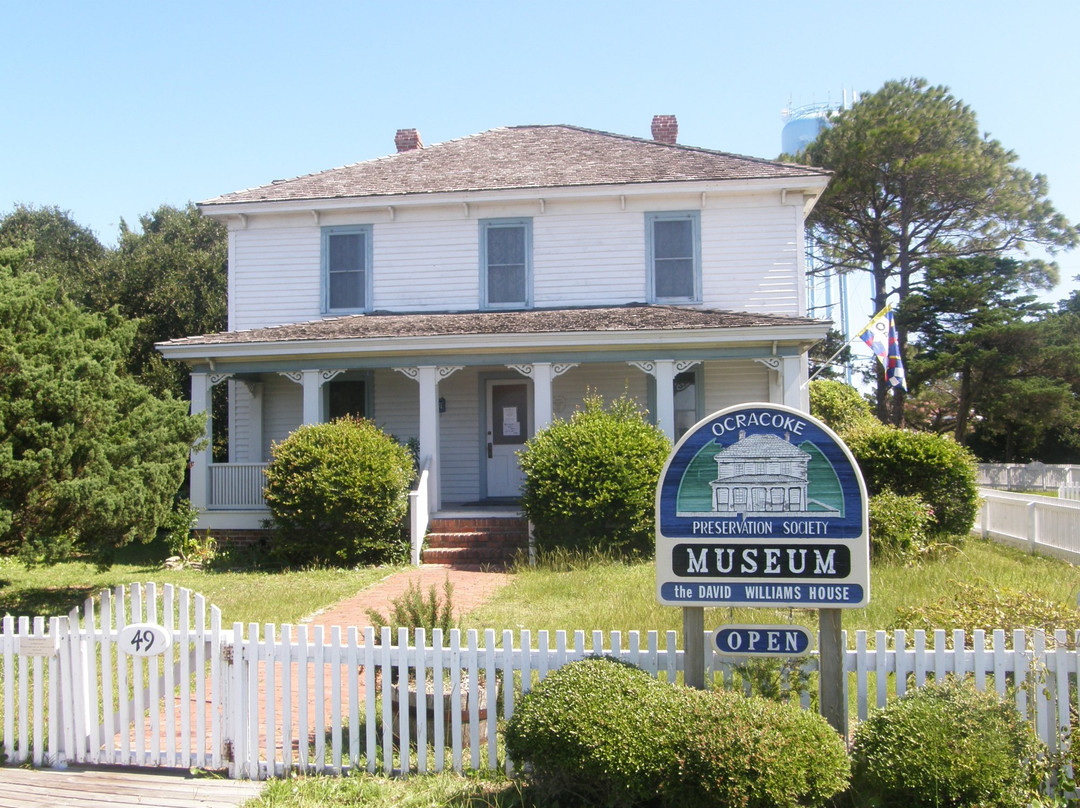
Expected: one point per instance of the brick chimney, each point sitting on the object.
(407, 140)
(665, 129)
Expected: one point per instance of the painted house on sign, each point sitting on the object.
(465, 294)
(761, 474)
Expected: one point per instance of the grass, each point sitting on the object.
(610, 595)
(244, 596)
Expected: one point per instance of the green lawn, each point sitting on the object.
(244, 596)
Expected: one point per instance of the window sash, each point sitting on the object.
(346, 259)
(506, 247)
(674, 263)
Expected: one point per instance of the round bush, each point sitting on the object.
(946, 745)
(899, 526)
(933, 467)
(597, 730)
(606, 733)
(339, 494)
(755, 753)
(839, 405)
(590, 482)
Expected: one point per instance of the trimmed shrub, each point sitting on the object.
(590, 482)
(599, 731)
(933, 467)
(946, 745)
(339, 495)
(755, 753)
(839, 405)
(899, 526)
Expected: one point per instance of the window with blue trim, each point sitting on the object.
(673, 241)
(506, 263)
(346, 268)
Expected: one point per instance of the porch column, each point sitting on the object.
(429, 377)
(312, 381)
(664, 371)
(200, 458)
(786, 379)
(543, 375)
(312, 385)
(796, 395)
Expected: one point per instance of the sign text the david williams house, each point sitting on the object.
(762, 505)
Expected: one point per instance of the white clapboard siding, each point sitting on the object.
(275, 277)
(459, 436)
(426, 265)
(750, 259)
(734, 382)
(589, 259)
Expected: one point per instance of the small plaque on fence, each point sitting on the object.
(144, 639)
(37, 646)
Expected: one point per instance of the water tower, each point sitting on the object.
(827, 296)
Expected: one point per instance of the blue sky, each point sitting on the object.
(114, 108)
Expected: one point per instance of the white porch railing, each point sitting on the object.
(419, 511)
(1038, 523)
(237, 486)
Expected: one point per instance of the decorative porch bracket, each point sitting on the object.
(312, 382)
(542, 375)
(665, 371)
(784, 385)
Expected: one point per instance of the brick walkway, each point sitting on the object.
(471, 589)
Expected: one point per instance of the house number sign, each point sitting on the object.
(144, 639)
(762, 505)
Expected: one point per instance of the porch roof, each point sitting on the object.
(592, 325)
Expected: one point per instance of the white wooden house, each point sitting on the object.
(467, 293)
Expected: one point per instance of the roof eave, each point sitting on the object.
(810, 185)
(802, 335)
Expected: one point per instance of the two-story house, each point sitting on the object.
(467, 293)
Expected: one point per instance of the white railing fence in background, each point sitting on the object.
(1027, 476)
(1037, 523)
(276, 700)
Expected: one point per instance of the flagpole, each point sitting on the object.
(828, 362)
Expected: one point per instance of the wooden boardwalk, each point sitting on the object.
(118, 788)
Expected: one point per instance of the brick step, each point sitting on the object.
(481, 541)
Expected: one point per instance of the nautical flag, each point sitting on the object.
(881, 337)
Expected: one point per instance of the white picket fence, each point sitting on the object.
(1027, 476)
(264, 700)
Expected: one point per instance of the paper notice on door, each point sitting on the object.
(511, 425)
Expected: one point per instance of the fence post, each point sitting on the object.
(1033, 526)
(985, 513)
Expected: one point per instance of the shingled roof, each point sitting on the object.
(521, 157)
(637, 317)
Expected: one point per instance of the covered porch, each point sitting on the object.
(469, 401)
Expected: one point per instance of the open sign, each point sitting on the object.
(144, 639)
(755, 640)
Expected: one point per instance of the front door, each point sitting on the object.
(509, 421)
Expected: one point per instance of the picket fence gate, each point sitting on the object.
(262, 700)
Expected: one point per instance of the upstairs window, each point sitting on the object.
(506, 263)
(346, 261)
(673, 242)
